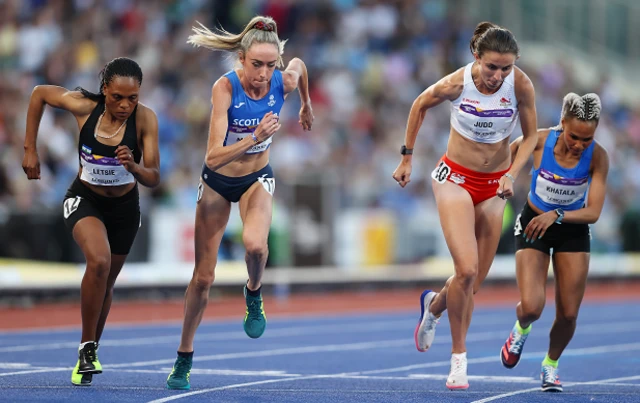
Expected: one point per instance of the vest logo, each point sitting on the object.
(504, 101)
(239, 105)
(272, 100)
(86, 149)
(483, 124)
(471, 101)
(456, 178)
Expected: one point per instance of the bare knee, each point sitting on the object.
(99, 266)
(568, 317)
(466, 275)
(202, 280)
(531, 310)
(256, 249)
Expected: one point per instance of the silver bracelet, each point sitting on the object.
(255, 139)
(508, 175)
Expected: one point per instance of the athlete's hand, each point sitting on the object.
(505, 188)
(125, 156)
(267, 127)
(402, 173)
(31, 164)
(538, 225)
(306, 116)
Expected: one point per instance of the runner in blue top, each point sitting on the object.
(567, 193)
(246, 107)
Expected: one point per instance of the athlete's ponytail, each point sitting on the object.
(259, 30)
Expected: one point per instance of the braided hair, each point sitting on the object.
(586, 107)
(118, 67)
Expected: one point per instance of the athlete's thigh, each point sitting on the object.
(570, 270)
(532, 268)
(212, 216)
(457, 219)
(91, 236)
(489, 216)
(256, 206)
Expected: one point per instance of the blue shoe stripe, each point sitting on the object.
(422, 297)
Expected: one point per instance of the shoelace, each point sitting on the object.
(459, 367)
(254, 310)
(517, 343)
(90, 355)
(550, 374)
(181, 369)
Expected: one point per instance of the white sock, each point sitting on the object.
(83, 344)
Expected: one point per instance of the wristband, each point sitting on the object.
(508, 175)
(255, 139)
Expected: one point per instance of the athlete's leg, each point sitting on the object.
(212, 215)
(117, 261)
(255, 210)
(532, 268)
(570, 270)
(457, 218)
(91, 236)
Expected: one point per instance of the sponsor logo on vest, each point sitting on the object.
(484, 124)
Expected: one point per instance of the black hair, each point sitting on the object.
(118, 67)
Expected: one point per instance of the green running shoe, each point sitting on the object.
(255, 320)
(80, 379)
(179, 376)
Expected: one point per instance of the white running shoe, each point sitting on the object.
(458, 374)
(426, 329)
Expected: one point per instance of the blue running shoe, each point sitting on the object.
(179, 376)
(255, 320)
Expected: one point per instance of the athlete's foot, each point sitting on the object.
(458, 374)
(180, 375)
(511, 351)
(80, 379)
(426, 329)
(255, 320)
(550, 379)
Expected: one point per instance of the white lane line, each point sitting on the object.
(580, 351)
(610, 381)
(612, 327)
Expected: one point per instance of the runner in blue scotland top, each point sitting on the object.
(246, 109)
(567, 193)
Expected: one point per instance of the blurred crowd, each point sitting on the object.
(367, 62)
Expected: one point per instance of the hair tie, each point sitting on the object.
(263, 27)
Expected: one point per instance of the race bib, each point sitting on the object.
(554, 189)
(70, 206)
(441, 173)
(269, 184)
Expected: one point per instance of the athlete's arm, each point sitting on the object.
(295, 76)
(515, 144)
(447, 88)
(597, 190)
(217, 154)
(147, 174)
(525, 94)
(58, 97)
